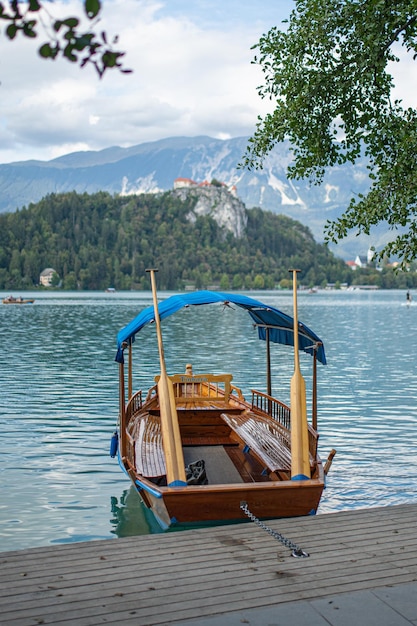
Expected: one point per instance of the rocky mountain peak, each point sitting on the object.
(216, 202)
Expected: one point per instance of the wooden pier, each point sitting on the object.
(182, 577)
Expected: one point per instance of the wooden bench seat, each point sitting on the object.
(268, 440)
(149, 453)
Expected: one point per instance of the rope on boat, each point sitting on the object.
(296, 550)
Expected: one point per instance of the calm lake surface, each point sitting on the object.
(59, 401)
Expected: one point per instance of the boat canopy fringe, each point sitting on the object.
(264, 316)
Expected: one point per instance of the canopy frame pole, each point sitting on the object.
(130, 375)
(268, 363)
(314, 396)
(122, 412)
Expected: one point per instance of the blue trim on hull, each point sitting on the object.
(153, 492)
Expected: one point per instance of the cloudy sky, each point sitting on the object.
(192, 75)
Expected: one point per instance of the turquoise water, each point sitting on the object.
(59, 401)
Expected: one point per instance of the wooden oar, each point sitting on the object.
(171, 438)
(300, 462)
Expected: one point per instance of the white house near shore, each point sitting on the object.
(45, 278)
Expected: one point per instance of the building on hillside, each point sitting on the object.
(351, 264)
(180, 183)
(46, 276)
(361, 261)
(184, 182)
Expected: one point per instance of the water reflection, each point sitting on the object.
(130, 517)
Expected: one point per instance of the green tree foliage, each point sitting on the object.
(64, 37)
(97, 241)
(328, 73)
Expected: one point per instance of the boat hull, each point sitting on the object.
(211, 503)
(244, 450)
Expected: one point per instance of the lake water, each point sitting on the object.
(59, 401)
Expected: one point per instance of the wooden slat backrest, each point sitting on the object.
(268, 439)
(201, 386)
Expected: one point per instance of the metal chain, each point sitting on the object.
(296, 550)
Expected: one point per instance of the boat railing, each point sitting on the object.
(153, 391)
(313, 439)
(130, 451)
(235, 391)
(279, 411)
(133, 406)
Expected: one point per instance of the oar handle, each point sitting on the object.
(157, 319)
(300, 462)
(294, 291)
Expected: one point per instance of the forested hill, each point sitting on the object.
(96, 241)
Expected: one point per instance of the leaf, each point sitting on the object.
(71, 22)
(83, 42)
(34, 5)
(15, 7)
(110, 59)
(68, 53)
(47, 52)
(92, 8)
(28, 28)
(11, 31)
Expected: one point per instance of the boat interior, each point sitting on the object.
(236, 441)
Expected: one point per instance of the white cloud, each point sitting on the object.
(405, 77)
(190, 77)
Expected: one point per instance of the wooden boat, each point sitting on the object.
(18, 300)
(197, 451)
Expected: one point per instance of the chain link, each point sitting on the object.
(296, 550)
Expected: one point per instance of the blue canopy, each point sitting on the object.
(280, 325)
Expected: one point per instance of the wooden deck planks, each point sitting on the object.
(162, 579)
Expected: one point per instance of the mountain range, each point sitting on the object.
(152, 167)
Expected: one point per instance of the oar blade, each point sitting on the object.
(300, 464)
(300, 458)
(171, 437)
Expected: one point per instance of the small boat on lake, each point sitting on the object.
(18, 300)
(196, 450)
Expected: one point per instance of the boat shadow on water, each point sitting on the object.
(130, 517)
